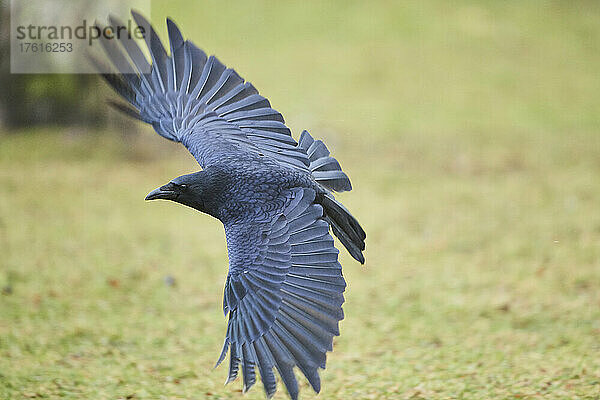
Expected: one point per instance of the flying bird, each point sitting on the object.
(284, 289)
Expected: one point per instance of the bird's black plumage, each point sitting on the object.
(284, 291)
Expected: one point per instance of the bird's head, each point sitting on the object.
(185, 189)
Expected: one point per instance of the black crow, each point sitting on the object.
(284, 290)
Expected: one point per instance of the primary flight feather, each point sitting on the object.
(284, 291)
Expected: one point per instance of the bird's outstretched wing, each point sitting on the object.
(196, 100)
(284, 294)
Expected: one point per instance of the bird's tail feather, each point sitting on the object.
(328, 173)
(325, 169)
(345, 227)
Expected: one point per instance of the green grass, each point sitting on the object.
(471, 133)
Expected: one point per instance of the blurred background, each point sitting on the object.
(470, 131)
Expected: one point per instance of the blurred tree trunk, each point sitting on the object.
(5, 84)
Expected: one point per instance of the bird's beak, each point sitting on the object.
(166, 192)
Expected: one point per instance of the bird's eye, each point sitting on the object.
(183, 186)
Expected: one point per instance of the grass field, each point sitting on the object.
(470, 131)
